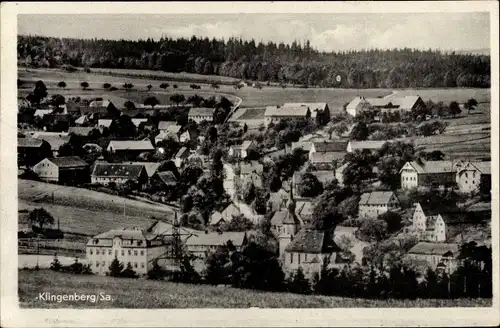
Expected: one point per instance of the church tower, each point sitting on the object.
(291, 224)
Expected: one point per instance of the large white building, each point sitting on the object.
(128, 246)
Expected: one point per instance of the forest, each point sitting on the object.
(296, 63)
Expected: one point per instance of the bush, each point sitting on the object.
(56, 265)
(156, 272)
(113, 89)
(128, 272)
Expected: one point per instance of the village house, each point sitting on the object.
(242, 150)
(374, 203)
(429, 254)
(274, 114)
(56, 140)
(129, 148)
(389, 104)
(320, 112)
(325, 154)
(229, 180)
(309, 250)
(200, 114)
(416, 174)
(434, 223)
(304, 209)
(187, 136)
(30, 151)
(202, 244)
(105, 173)
(129, 246)
(42, 112)
(167, 179)
(181, 156)
(474, 177)
(151, 167)
(70, 170)
(227, 215)
(371, 145)
(172, 131)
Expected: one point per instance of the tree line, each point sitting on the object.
(293, 63)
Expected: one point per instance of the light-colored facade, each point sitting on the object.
(427, 174)
(128, 246)
(67, 170)
(376, 203)
(431, 254)
(201, 114)
(428, 226)
(473, 175)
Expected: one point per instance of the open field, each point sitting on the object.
(460, 95)
(131, 293)
(86, 211)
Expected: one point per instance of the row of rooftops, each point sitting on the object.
(403, 103)
(295, 109)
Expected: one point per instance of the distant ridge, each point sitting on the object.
(483, 51)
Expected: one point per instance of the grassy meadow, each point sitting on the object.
(85, 211)
(132, 293)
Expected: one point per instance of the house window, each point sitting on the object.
(298, 258)
(142, 253)
(97, 252)
(91, 251)
(97, 264)
(135, 264)
(142, 265)
(291, 257)
(109, 252)
(129, 252)
(135, 253)
(123, 252)
(305, 257)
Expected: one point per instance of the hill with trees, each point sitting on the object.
(294, 63)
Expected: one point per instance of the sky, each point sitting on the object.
(326, 32)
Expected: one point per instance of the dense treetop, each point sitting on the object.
(289, 63)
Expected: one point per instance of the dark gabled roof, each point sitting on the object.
(83, 130)
(427, 248)
(129, 171)
(313, 241)
(168, 177)
(376, 198)
(29, 142)
(284, 217)
(331, 146)
(68, 161)
(183, 152)
(432, 209)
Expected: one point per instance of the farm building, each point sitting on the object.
(200, 114)
(374, 203)
(105, 173)
(56, 140)
(427, 174)
(432, 254)
(167, 179)
(129, 148)
(133, 246)
(309, 250)
(274, 114)
(30, 151)
(104, 123)
(70, 170)
(320, 112)
(326, 153)
(474, 177)
(138, 121)
(151, 167)
(388, 104)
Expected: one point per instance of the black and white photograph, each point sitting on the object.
(242, 160)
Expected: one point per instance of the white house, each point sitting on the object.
(474, 176)
(181, 156)
(416, 174)
(374, 203)
(242, 150)
(432, 254)
(274, 114)
(372, 145)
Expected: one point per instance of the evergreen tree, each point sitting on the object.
(156, 272)
(115, 268)
(128, 272)
(55, 265)
(299, 283)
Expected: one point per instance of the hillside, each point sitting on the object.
(129, 293)
(276, 62)
(85, 211)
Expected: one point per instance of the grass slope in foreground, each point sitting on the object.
(86, 211)
(132, 293)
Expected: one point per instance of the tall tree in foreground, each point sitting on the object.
(41, 217)
(454, 109)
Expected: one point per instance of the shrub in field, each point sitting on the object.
(56, 265)
(61, 84)
(84, 85)
(106, 85)
(164, 86)
(113, 89)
